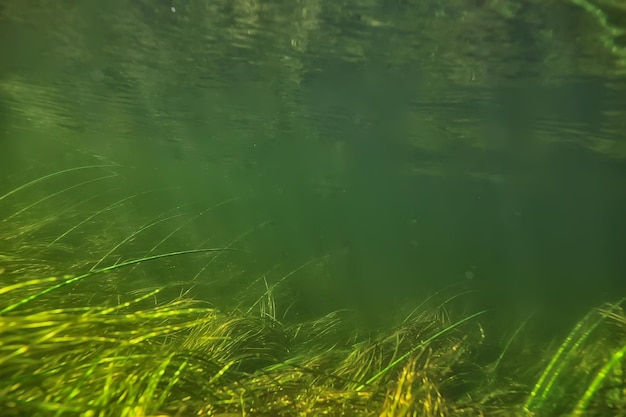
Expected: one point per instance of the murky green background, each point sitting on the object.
(398, 147)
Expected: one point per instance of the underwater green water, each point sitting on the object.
(400, 147)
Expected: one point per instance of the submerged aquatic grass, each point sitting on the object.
(72, 342)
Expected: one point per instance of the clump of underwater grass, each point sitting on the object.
(82, 357)
(181, 358)
(586, 376)
(114, 360)
(74, 345)
(338, 374)
(139, 356)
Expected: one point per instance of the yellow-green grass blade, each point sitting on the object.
(106, 269)
(419, 346)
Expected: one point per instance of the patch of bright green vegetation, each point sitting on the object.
(73, 344)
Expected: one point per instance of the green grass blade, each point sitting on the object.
(58, 193)
(581, 406)
(573, 341)
(54, 174)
